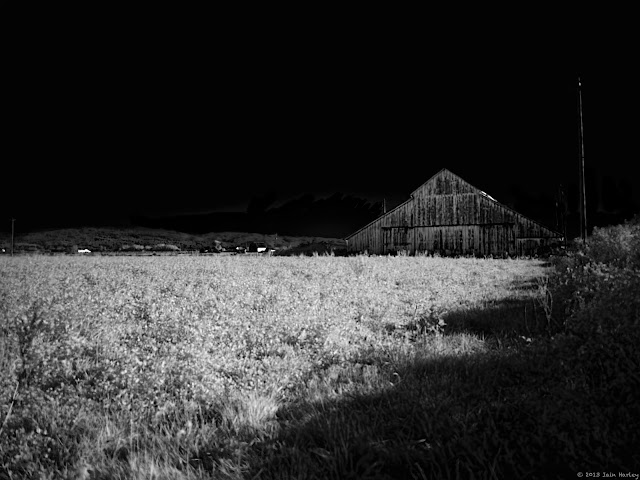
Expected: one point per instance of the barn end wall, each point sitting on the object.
(451, 217)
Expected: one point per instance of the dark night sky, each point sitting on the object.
(110, 121)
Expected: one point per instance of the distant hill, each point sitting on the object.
(115, 239)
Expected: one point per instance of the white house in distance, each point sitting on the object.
(84, 250)
(258, 247)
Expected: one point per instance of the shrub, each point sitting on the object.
(594, 294)
(618, 245)
(163, 247)
(27, 247)
(593, 286)
(132, 248)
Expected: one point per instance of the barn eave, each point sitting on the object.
(378, 218)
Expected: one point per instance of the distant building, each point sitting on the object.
(259, 247)
(447, 215)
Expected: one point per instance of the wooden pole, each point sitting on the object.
(557, 204)
(12, 232)
(563, 214)
(583, 196)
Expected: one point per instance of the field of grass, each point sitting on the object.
(291, 367)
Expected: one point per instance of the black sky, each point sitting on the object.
(106, 122)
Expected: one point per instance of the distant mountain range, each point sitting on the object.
(334, 217)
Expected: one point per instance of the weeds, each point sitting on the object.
(545, 300)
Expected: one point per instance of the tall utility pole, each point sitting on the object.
(12, 222)
(561, 213)
(583, 196)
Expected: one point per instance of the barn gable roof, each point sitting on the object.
(461, 186)
(467, 187)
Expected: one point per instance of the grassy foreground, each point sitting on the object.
(299, 367)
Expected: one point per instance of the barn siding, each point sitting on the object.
(449, 216)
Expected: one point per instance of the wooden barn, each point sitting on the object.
(447, 215)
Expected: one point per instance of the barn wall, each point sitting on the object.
(449, 216)
(401, 216)
(371, 238)
(368, 238)
(466, 239)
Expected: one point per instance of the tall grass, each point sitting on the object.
(297, 367)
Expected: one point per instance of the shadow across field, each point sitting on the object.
(517, 409)
(507, 318)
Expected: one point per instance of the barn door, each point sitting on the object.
(386, 240)
(497, 239)
(510, 240)
(506, 235)
(395, 239)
